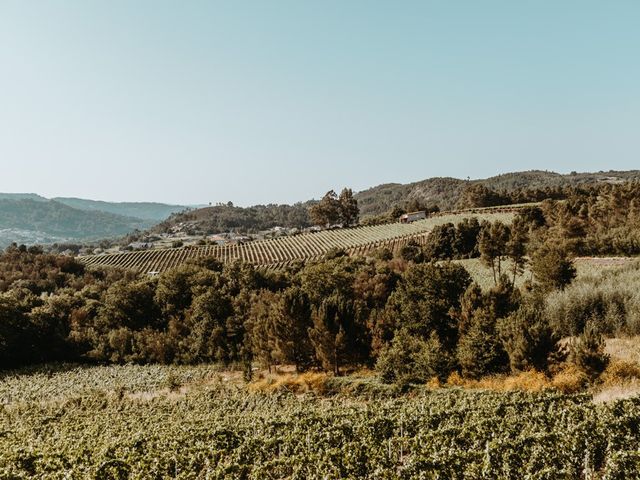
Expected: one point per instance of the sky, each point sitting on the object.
(279, 101)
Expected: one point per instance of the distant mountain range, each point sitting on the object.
(30, 218)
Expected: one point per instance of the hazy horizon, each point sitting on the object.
(264, 203)
(276, 103)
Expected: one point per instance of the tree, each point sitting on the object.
(130, 304)
(291, 328)
(480, 351)
(465, 244)
(517, 246)
(204, 331)
(15, 333)
(551, 267)
(410, 359)
(440, 242)
(331, 327)
(534, 216)
(588, 352)
(427, 299)
(261, 328)
(528, 338)
(327, 211)
(492, 244)
(412, 252)
(349, 211)
(477, 195)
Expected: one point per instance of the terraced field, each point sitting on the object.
(277, 253)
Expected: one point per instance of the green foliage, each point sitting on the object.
(336, 333)
(441, 242)
(427, 299)
(349, 211)
(410, 359)
(412, 252)
(327, 211)
(478, 195)
(75, 426)
(551, 267)
(333, 209)
(528, 338)
(588, 354)
(610, 297)
(225, 218)
(479, 350)
(516, 246)
(492, 244)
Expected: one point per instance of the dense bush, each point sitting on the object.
(611, 299)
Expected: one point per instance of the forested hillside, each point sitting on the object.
(143, 210)
(43, 221)
(392, 199)
(447, 192)
(220, 218)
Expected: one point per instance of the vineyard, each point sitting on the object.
(125, 423)
(279, 252)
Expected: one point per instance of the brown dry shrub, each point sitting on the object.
(529, 381)
(434, 383)
(456, 380)
(570, 379)
(620, 371)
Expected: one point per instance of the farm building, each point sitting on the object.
(413, 216)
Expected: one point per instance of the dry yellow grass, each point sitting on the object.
(620, 380)
(570, 379)
(620, 371)
(625, 349)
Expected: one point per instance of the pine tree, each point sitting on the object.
(517, 246)
(480, 351)
(492, 244)
(528, 338)
(332, 322)
(588, 352)
(551, 267)
(349, 211)
(292, 321)
(261, 328)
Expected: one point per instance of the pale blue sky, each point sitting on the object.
(278, 101)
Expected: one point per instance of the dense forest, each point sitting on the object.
(412, 316)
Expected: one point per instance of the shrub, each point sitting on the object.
(620, 371)
(570, 379)
(409, 359)
(588, 352)
(480, 351)
(528, 338)
(551, 268)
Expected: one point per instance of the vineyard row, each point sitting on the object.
(277, 253)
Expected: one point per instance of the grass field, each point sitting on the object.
(585, 266)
